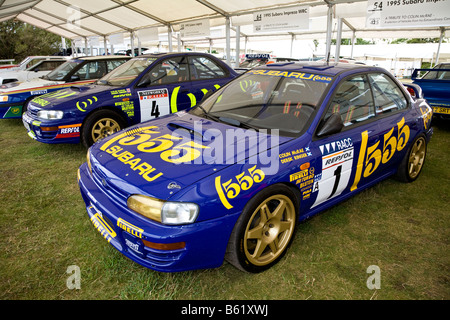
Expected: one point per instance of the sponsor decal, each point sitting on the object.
(294, 155)
(337, 162)
(232, 188)
(128, 227)
(370, 157)
(289, 74)
(69, 131)
(100, 224)
(84, 104)
(154, 103)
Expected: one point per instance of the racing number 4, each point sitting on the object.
(155, 110)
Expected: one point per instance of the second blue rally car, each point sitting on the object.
(231, 177)
(144, 88)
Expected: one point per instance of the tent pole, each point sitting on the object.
(238, 45)
(228, 47)
(439, 46)
(329, 27)
(169, 36)
(338, 40)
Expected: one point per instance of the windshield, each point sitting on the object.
(126, 73)
(61, 72)
(267, 99)
(253, 63)
(440, 75)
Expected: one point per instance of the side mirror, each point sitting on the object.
(332, 125)
(74, 78)
(36, 70)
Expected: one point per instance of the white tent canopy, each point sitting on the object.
(84, 19)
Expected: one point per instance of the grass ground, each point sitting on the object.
(401, 228)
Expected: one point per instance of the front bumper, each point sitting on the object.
(51, 131)
(205, 242)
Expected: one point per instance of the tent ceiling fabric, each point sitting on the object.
(76, 19)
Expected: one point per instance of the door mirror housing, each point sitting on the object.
(332, 125)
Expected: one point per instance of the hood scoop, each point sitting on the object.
(191, 129)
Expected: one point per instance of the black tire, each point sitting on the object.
(412, 164)
(264, 231)
(99, 125)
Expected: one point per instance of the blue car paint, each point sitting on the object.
(78, 103)
(105, 190)
(435, 90)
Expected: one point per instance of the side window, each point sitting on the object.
(92, 70)
(168, 71)
(204, 68)
(388, 96)
(112, 64)
(353, 101)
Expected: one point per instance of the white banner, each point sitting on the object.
(195, 29)
(408, 13)
(150, 34)
(295, 18)
(116, 38)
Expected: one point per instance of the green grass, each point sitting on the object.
(44, 229)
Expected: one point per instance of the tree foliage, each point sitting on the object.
(19, 40)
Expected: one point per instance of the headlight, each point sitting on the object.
(4, 98)
(50, 114)
(165, 212)
(179, 213)
(148, 207)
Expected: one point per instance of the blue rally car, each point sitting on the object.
(15, 96)
(230, 178)
(144, 88)
(435, 85)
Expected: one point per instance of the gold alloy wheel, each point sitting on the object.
(103, 128)
(269, 230)
(416, 157)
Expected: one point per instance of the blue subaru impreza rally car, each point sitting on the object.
(230, 178)
(144, 88)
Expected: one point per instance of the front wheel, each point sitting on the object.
(412, 164)
(99, 125)
(264, 230)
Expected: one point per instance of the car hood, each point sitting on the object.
(143, 160)
(76, 92)
(11, 88)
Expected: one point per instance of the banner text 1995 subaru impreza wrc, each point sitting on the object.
(147, 87)
(231, 177)
(79, 71)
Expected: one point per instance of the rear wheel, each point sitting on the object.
(412, 164)
(264, 230)
(99, 125)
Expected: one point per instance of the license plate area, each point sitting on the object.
(133, 243)
(441, 110)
